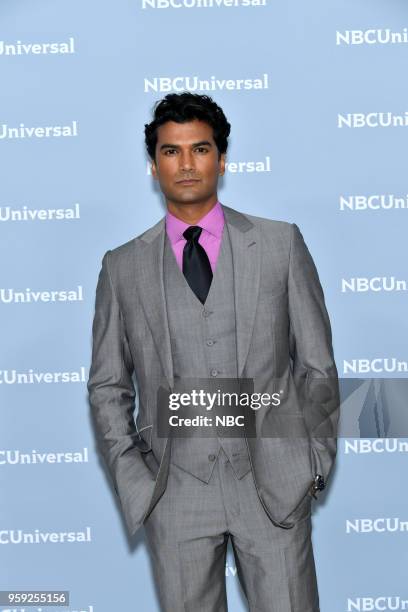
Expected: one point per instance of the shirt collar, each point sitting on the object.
(212, 222)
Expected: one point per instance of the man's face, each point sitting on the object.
(187, 151)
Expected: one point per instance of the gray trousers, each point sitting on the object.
(187, 535)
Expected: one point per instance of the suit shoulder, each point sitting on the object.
(282, 226)
(272, 227)
(120, 259)
(127, 248)
(122, 250)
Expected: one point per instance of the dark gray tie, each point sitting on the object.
(196, 265)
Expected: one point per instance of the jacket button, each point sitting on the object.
(210, 342)
(211, 457)
(214, 372)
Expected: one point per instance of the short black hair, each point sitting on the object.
(183, 107)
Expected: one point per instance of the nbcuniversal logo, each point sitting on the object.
(378, 525)
(369, 604)
(200, 4)
(193, 83)
(362, 284)
(377, 365)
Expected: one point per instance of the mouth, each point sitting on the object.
(187, 182)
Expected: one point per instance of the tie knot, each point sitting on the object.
(192, 233)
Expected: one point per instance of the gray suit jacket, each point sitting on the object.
(283, 341)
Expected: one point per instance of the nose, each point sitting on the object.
(186, 160)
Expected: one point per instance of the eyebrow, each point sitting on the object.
(195, 144)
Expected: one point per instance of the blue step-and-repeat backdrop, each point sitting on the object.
(317, 97)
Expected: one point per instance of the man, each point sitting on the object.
(212, 294)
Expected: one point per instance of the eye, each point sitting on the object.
(168, 151)
(204, 149)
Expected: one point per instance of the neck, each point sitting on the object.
(190, 213)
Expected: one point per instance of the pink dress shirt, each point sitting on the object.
(210, 238)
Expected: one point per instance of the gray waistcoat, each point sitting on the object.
(203, 344)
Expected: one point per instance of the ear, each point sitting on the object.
(154, 168)
(221, 164)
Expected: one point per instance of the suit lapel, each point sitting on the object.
(149, 269)
(246, 259)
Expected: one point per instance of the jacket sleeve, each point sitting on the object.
(112, 401)
(312, 355)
